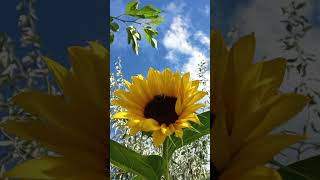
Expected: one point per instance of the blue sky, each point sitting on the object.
(186, 21)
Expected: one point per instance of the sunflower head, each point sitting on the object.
(164, 103)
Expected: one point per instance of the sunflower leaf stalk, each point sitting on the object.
(166, 158)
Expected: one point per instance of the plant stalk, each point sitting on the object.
(166, 159)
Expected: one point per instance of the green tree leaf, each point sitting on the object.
(134, 36)
(189, 135)
(154, 43)
(156, 21)
(147, 12)
(131, 6)
(114, 26)
(148, 167)
(150, 32)
(307, 169)
(111, 37)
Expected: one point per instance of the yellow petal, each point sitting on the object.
(134, 130)
(258, 173)
(178, 131)
(98, 49)
(261, 173)
(120, 115)
(268, 70)
(158, 138)
(58, 71)
(192, 117)
(150, 125)
(220, 142)
(191, 109)
(178, 106)
(219, 61)
(128, 84)
(286, 108)
(182, 124)
(33, 169)
(260, 152)
(165, 129)
(55, 138)
(133, 122)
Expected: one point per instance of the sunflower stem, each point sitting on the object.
(166, 159)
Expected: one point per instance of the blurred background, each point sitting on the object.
(289, 29)
(30, 29)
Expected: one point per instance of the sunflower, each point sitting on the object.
(73, 125)
(163, 104)
(247, 106)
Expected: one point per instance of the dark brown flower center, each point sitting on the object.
(162, 109)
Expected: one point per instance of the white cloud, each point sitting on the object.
(202, 38)
(174, 8)
(177, 42)
(177, 37)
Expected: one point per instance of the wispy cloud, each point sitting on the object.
(205, 10)
(177, 41)
(174, 8)
(202, 38)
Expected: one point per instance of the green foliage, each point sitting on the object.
(146, 17)
(150, 33)
(148, 167)
(302, 170)
(147, 12)
(134, 36)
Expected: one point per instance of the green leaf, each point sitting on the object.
(135, 36)
(114, 26)
(147, 12)
(131, 6)
(156, 21)
(307, 169)
(137, 178)
(154, 43)
(189, 135)
(150, 32)
(111, 37)
(148, 167)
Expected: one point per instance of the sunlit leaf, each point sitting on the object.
(148, 167)
(154, 43)
(157, 20)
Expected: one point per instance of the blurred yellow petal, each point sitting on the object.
(261, 173)
(34, 169)
(286, 108)
(260, 151)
